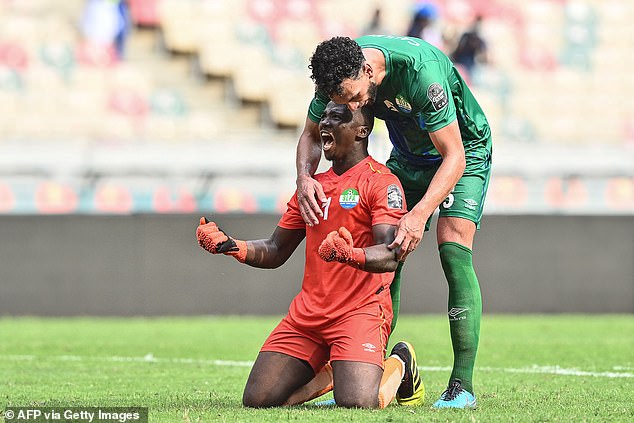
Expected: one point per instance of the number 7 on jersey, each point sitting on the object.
(326, 206)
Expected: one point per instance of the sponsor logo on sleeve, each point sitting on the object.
(349, 198)
(437, 96)
(394, 197)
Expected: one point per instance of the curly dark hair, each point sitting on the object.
(333, 61)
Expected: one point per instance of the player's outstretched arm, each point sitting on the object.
(338, 246)
(273, 252)
(264, 253)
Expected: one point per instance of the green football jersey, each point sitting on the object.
(422, 92)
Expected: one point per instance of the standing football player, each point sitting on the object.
(441, 154)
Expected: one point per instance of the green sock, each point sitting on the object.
(464, 309)
(395, 292)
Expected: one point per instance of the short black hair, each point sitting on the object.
(333, 61)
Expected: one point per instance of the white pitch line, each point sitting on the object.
(149, 358)
(622, 368)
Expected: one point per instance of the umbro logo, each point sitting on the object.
(470, 204)
(368, 347)
(456, 313)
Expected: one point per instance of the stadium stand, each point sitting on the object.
(540, 47)
(543, 50)
(234, 73)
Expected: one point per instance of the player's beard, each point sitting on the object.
(373, 91)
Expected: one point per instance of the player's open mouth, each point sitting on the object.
(327, 140)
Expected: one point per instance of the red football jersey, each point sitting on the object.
(366, 195)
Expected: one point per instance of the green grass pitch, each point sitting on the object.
(529, 368)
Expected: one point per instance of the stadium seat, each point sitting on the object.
(14, 56)
(144, 12)
(494, 112)
(169, 103)
(160, 129)
(181, 23)
(219, 59)
(396, 17)
(201, 126)
(503, 40)
(303, 35)
(118, 128)
(251, 82)
(59, 56)
(10, 80)
(291, 94)
(128, 103)
(97, 55)
(131, 77)
(41, 78)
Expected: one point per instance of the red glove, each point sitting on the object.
(214, 240)
(338, 247)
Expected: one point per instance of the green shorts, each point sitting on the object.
(467, 198)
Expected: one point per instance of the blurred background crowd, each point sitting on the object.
(183, 106)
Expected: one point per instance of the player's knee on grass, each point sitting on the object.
(273, 378)
(259, 398)
(356, 384)
(365, 397)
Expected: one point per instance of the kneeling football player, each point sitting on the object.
(336, 331)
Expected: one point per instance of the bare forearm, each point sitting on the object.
(274, 251)
(265, 254)
(308, 150)
(380, 259)
(448, 142)
(445, 179)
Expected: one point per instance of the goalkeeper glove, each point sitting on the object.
(214, 240)
(338, 247)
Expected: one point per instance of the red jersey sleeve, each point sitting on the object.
(388, 201)
(292, 218)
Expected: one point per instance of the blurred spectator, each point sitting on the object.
(424, 25)
(471, 49)
(376, 26)
(106, 23)
(125, 23)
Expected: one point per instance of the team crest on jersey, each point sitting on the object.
(390, 105)
(394, 197)
(402, 104)
(349, 198)
(437, 96)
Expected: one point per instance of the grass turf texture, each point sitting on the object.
(169, 365)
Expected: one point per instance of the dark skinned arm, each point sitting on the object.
(379, 258)
(273, 252)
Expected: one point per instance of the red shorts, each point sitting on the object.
(359, 336)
